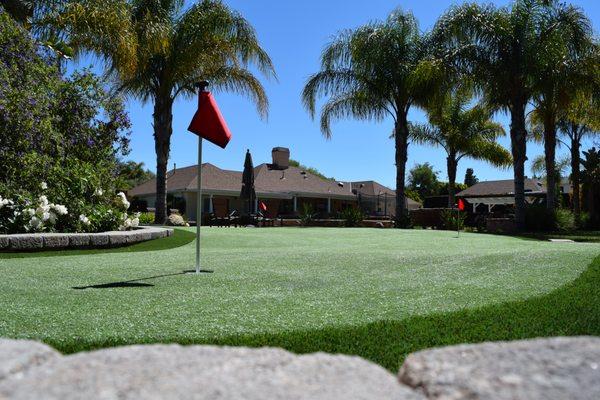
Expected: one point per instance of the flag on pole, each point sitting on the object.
(262, 206)
(208, 123)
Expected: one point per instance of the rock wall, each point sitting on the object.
(56, 241)
(556, 368)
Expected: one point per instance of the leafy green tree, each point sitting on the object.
(500, 49)
(423, 179)
(461, 132)
(376, 71)
(312, 170)
(59, 138)
(567, 62)
(157, 50)
(470, 178)
(131, 174)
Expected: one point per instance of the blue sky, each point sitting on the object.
(294, 34)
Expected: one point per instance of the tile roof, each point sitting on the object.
(293, 181)
(502, 188)
(372, 188)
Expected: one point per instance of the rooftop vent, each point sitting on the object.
(281, 158)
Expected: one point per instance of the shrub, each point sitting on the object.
(453, 220)
(564, 220)
(146, 218)
(307, 214)
(176, 220)
(538, 218)
(59, 139)
(352, 216)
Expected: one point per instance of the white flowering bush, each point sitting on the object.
(24, 215)
(176, 220)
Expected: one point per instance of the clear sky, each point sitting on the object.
(294, 34)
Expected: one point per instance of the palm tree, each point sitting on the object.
(157, 50)
(376, 71)
(500, 48)
(461, 132)
(566, 64)
(581, 120)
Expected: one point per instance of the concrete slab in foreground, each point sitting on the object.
(548, 369)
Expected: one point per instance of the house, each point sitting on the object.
(376, 199)
(490, 196)
(284, 192)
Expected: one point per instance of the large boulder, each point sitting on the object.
(548, 369)
(18, 356)
(205, 372)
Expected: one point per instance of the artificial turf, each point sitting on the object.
(376, 293)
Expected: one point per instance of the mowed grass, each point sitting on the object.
(379, 294)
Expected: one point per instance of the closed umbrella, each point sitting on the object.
(248, 193)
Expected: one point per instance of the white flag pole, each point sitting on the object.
(199, 205)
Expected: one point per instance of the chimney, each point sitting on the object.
(281, 158)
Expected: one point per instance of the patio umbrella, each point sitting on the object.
(248, 193)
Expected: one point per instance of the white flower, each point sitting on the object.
(44, 185)
(52, 218)
(135, 222)
(98, 192)
(45, 216)
(35, 223)
(60, 209)
(29, 211)
(123, 200)
(43, 201)
(4, 202)
(85, 220)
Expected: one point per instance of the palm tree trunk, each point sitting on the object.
(401, 142)
(451, 164)
(550, 158)
(518, 139)
(575, 173)
(163, 128)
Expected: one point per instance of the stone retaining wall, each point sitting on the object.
(53, 241)
(541, 369)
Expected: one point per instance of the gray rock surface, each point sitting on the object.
(205, 372)
(26, 242)
(78, 239)
(99, 239)
(118, 238)
(17, 356)
(548, 369)
(55, 240)
(4, 241)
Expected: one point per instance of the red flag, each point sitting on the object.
(461, 205)
(208, 123)
(262, 206)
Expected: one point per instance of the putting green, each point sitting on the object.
(274, 280)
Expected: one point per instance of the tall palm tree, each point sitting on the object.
(500, 49)
(157, 50)
(376, 71)
(461, 132)
(566, 64)
(581, 120)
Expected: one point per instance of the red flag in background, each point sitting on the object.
(208, 123)
(262, 206)
(461, 204)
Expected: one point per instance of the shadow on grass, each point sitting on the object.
(130, 283)
(571, 310)
(179, 238)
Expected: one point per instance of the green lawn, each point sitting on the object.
(376, 293)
